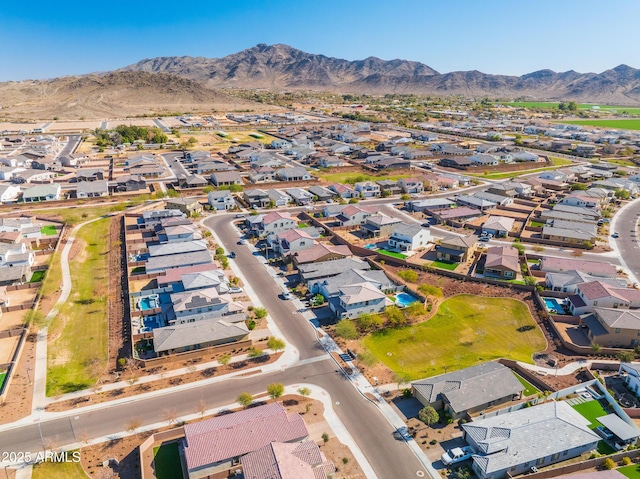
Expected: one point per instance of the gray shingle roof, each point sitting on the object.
(199, 332)
(528, 434)
(470, 387)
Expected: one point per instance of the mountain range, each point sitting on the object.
(281, 67)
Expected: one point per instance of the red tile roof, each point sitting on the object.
(233, 435)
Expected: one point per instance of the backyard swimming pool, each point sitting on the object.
(148, 302)
(405, 299)
(370, 246)
(554, 306)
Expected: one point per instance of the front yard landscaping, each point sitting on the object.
(466, 330)
(59, 470)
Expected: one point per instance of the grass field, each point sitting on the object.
(621, 124)
(620, 162)
(78, 334)
(37, 276)
(444, 265)
(582, 106)
(393, 254)
(465, 331)
(166, 461)
(511, 174)
(560, 161)
(48, 230)
(529, 389)
(58, 470)
(344, 177)
(632, 471)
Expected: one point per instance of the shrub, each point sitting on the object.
(325, 437)
(408, 275)
(428, 415)
(626, 461)
(406, 393)
(608, 464)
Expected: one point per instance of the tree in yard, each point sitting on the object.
(275, 344)
(244, 399)
(430, 290)
(578, 187)
(368, 322)
(260, 313)
(622, 194)
(400, 378)
(346, 329)
(414, 310)
(275, 390)
(325, 437)
(428, 415)
(395, 316)
(255, 352)
(224, 359)
(530, 280)
(625, 356)
(608, 464)
(595, 347)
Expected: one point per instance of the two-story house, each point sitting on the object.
(221, 200)
(367, 189)
(354, 300)
(597, 293)
(408, 237)
(457, 249)
(411, 186)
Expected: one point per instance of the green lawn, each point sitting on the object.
(590, 410)
(632, 471)
(465, 331)
(393, 254)
(620, 162)
(48, 230)
(58, 470)
(622, 124)
(560, 161)
(78, 334)
(166, 461)
(444, 265)
(3, 376)
(537, 224)
(511, 174)
(37, 276)
(581, 106)
(529, 389)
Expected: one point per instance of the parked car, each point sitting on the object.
(615, 235)
(235, 289)
(242, 241)
(240, 215)
(484, 238)
(426, 225)
(286, 295)
(232, 254)
(457, 454)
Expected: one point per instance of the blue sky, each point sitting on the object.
(48, 39)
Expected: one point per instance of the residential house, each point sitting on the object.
(612, 328)
(321, 252)
(581, 200)
(330, 287)
(276, 222)
(408, 237)
(159, 264)
(389, 187)
(128, 183)
(631, 374)
(352, 215)
(200, 305)
(481, 159)
(459, 162)
(278, 199)
(458, 249)
(600, 294)
(321, 193)
(455, 214)
(214, 446)
(221, 200)
(379, 225)
(574, 233)
(32, 176)
(193, 181)
(313, 272)
(288, 461)
(497, 199)
(475, 202)
(367, 189)
(429, 204)
(256, 198)
(501, 262)
(411, 186)
(90, 174)
(356, 299)
(514, 442)
(9, 193)
(300, 196)
(600, 269)
(183, 337)
(49, 192)
(92, 189)
(330, 162)
(263, 174)
(344, 191)
(16, 255)
(498, 226)
(469, 390)
(568, 281)
(226, 178)
(292, 241)
(73, 160)
(295, 173)
(188, 206)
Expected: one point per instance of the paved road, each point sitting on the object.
(625, 223)
(389, 457)
(173, 160)
(162, 126)
(70, 147)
